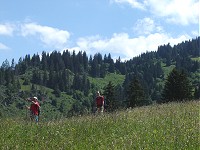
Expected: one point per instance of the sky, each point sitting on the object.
(123, 28)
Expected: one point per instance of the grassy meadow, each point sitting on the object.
(157, 127)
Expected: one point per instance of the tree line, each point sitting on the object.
(144, 75)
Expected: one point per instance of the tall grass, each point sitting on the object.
(167, 126)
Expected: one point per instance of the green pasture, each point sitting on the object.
(157, 127)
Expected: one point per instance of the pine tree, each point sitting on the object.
(95, 69)
(136, 95)
(119, 96)
(85, 62)
(197, 92)
(5, 65)
(44, 61)
(86, 84)
(35, 60)
(109, 96)
(77, 82)
(103, 70)
(177, 87)
(111, 64)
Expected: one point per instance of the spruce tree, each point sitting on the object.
(44, 61)
(109, 96)
(197, 92)
(177, 87)
(136, 95)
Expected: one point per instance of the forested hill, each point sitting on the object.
(65, 83)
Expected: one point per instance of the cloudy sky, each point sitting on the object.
(124, 28)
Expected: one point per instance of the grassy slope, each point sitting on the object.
(167, 126)
(196, 59)
(100, 83)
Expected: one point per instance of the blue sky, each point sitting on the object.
(124, 28)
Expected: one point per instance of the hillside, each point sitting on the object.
(66, 83)
(166, 126)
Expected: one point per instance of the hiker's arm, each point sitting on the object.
(36, 103)
(27, 107)
(102, 101)
(33, 102)
(28, 99)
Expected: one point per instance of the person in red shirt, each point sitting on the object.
(34, 109)
(99, 103)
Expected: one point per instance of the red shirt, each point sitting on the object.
(99, 101)
(35, 108)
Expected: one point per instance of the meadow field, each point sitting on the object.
(172, 126)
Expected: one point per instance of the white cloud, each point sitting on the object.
(133, 3)
(174, 11)
(6, 29)
(195, 33)
(3, 47)
(90, 43)
(51, 37)
(146, 26)
(124, 46)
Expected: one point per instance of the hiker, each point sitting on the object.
(34, 109)
(99, 103)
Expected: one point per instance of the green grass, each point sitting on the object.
(100, 83)
(196, 59)
(167, 69)
(167, 126)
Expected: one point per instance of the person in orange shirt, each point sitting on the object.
(34, 109)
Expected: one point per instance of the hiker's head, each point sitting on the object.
(98, 93)
(35, 99)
